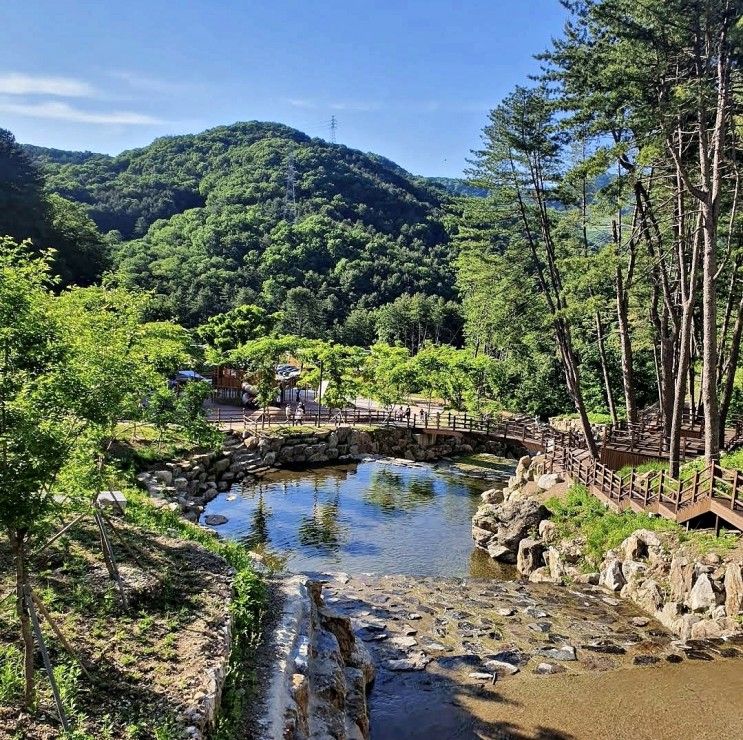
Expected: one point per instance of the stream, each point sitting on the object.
(392, 541)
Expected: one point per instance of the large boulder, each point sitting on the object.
(549, 480)
(611, 575)
(703, 595)
(509, 522)
(529, 556)
(639, 544)
(680, 578)
(733, 589)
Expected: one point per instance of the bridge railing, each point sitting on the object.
(711, 482)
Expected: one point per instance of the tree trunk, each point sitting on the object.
(709, 338)
(605, 370)
(679, 397)
(572, 378)
(625, 343)
(730, 368)
(19, 551)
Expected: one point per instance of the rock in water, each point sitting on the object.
(214, 520)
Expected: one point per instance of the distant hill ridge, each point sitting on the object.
(202, 220)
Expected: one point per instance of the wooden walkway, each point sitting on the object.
(710, 491)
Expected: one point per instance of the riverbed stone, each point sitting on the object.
(564, 653)
(548, 669)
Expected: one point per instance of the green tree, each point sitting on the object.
(388, 376)
(226, 331)
(259, 359)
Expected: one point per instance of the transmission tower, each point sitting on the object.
(290, 196)
(333, 126)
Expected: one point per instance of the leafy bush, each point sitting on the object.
(582, 514)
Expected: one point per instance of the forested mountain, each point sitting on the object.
(29, 211)
(204, 221)
(456, 186)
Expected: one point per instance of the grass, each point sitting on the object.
(485, 460)
(138, 657)
(137, 446)
(581, 515)
(249, 596)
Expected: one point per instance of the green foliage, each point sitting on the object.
(340, 368)
(199, 220)
(581, 514)
(413, 320)
(388, 376)
(11, 674)
(49, 221)
(260, 358)
(227, 331)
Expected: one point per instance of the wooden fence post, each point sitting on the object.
(734, 493)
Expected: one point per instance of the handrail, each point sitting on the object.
(563, 451)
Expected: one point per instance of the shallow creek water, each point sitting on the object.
(395, 541)
(374, 516)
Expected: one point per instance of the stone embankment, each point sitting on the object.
(694, 596)
(188, 485)
(318, 681)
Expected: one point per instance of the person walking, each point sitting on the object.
(299, 414)
(288, 412)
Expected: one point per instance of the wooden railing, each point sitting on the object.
(656, 492)
(677, 499)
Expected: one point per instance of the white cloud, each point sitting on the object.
(18, 83)
(352, 105)
(66, 112)
(300, 103)
(144, 83)
(355, 105)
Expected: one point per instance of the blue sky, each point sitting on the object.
(409, 79)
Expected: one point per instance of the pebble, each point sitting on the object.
(566, 652)
(482, 676)
(404, 642)
(645, 659)
(640, 621)
(546, 669)
(540, 626)
(506, 612)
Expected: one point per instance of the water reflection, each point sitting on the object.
(321, 528)
(371, 517)
(259, 520)
(392, 491)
